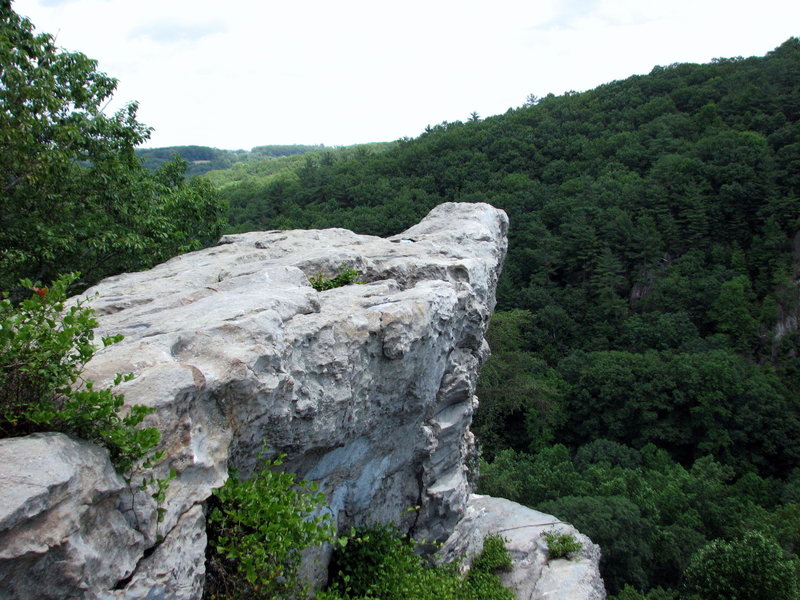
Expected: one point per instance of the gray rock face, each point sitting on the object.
(369, 390)
(62, 529)
(534, 576)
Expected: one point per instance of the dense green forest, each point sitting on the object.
(243, 183)
(645, 370)
(645, 377)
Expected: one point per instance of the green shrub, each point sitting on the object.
(630, 593)
(494, 557)
(480, 585)
(44, 347)
(345, 277)
(377, 563)
(561, 545)
(368, 555)
(258, 529)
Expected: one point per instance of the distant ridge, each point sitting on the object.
(203, 159)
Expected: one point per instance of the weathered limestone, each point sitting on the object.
(61, 525)
(534, 576)
(368, 389)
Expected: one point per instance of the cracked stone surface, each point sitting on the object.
(63, 532)
(369, 390)
(533, 576)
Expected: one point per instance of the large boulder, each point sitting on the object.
(63, 532)
(367, 388)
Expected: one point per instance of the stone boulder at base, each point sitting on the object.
(367, 388)
(534, 575)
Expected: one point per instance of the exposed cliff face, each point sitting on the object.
(788, 320)
(367, 388)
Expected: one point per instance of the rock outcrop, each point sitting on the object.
(368, 389)
(60, 507)
(534, 575)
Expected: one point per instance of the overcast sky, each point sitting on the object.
(242, 73)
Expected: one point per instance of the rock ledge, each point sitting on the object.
(369, 390)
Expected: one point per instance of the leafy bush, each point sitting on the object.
(258, 529)
(561, 545)
(752, 567)
(44, 347)
(377, 563)
(365, 557)
(345, 277)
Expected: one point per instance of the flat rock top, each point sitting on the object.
(247, 291)
(451, 234)
(257, 281)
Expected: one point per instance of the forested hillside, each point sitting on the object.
(242, 186)
(202, 159)
(645, 376)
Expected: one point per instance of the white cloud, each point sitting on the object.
(253, 72)
(175, 31)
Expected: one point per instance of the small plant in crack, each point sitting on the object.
(345, 277)
(561, 545)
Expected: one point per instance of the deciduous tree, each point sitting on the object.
(73, 196)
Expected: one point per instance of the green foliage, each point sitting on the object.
(345, 277)
(44, 345)
(376, 563)
(366, 557)
(258, 528)
(732, 312)
(647, 298)
(601, 451)
(73, 196)
(648, 513)
(752, 567)
(694, 404)
(521, 403)
(203, 159)
(618, 526)
(630, 593)
(494, 555)
(531, 479)
(561, 545)
(521, 396)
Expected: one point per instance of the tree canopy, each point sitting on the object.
(646, 354)
(73, 196)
